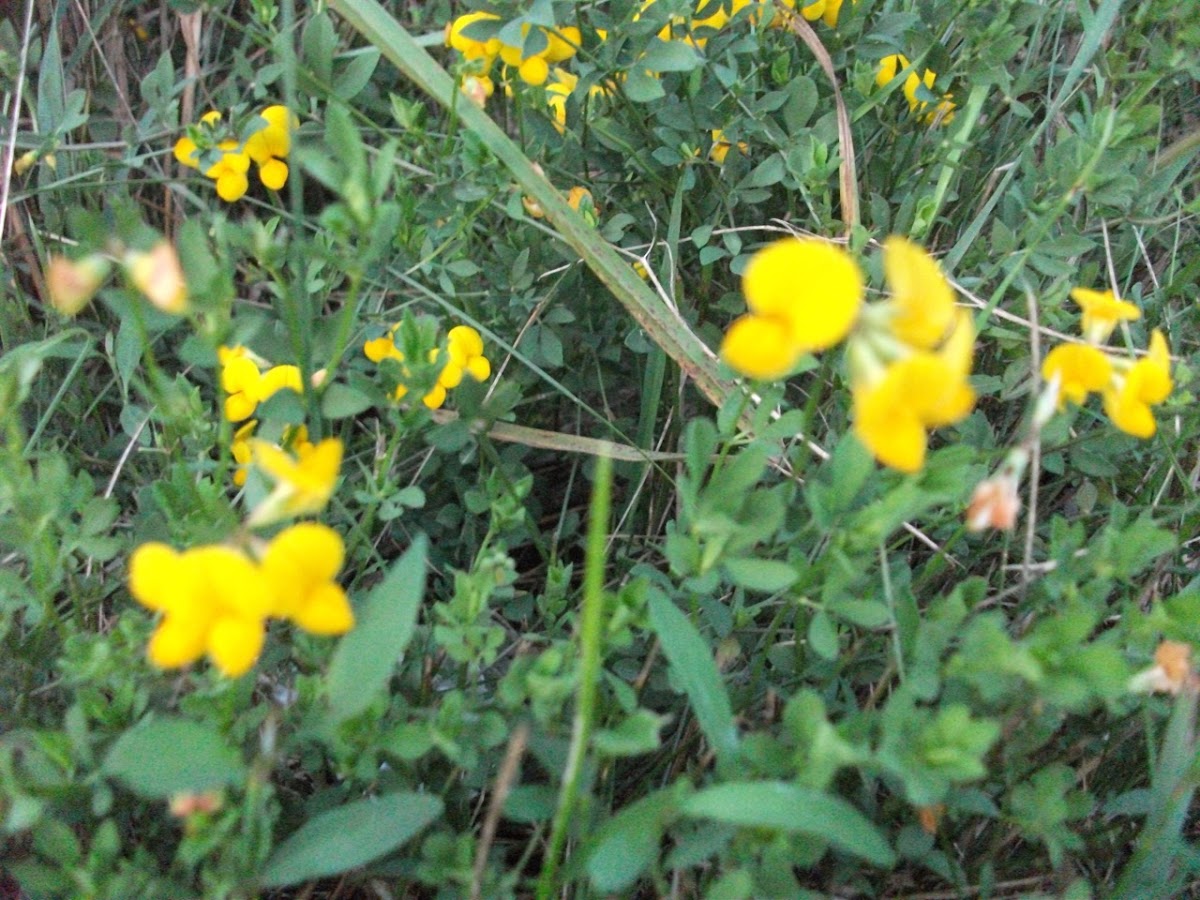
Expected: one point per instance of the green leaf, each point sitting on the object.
(349, 836)
(641, 86)
(693, 664)
(318, 44)
(341, 401)
(669, 56)
(365, 657)
(822, 635)
(628, 843)
(791, 808)
(357, 74)
(166, 756)
(768, 575)
(636, 734)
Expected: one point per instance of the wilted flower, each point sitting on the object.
(159, 276)
(1171, 672)
(72, 283)
(994, 504)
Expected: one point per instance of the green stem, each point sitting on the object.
(591, 632)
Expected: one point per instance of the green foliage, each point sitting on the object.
(778, 668)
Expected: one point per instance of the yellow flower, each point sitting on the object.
(1080, 369)
(1102, 311)
(239, 379)
(827, 10)
(812, 287)
(760, 347)
(300, 564)
(922, 302)
(302, 485)
(159, 276)
(271, 144)
(464, 355)
(469, 47)
(213, 599)
(240, 450)
(921, 391)
(383, 347)
(563, 43)
(721, 147)
(229, 171)
(889, 67)
(534, 70)
(942, 114)
(557, 92)
(71, 284)
(1127, 400)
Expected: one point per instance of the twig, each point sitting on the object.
(14, 116)
(504, 782)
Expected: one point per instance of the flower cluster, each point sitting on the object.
(226, 160)
(909, 357)
(217, 599)
(1127, 386)
(246, 384)
(897, 64)
(463, 356)
(155, 273)
(559, 45)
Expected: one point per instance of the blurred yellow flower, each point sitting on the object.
(922, 301)
(721, 147)
(1102, 312)
(246, 386)
(213, 600)
(1147, 382)
(812, 287)
(300, 565)
(239, 448)
(890, 67)
(229, 171)
(303, 483)
(760, 347)
(1080, 369)
(469, 47)
(921, 391)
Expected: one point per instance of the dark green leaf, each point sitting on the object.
(366, 656)
(349, 836)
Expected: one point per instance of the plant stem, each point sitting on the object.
(591, 629)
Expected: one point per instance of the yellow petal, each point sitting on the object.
(232, 186)
(889, 66)
(297, 560)
(154, 575)
(922, 301)
(760, 347)
(234, 644)
(435, 398)
(479, 368)
(326, 612)
(273, 174)
(887, 427)
(176, 642)
(1081, 369)
(813, 286)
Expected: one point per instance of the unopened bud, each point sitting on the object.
(158, 275)
(477, 89)
(71, 284)
(994, 504)
(25, 162)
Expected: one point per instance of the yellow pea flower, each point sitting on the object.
(760, 347)
(229, 171)
(300, 564)
(563, 43)
(721, 147)
(1102, 312)
(922, 301)
(812, 286)
(270, 145)
(921, 391)
(214, 601)
(239, 379)
(1127, 400)
(239, 448)
(1080, 368)
(469, 47)
(534, 71)
(890, 67)
(302, 485)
